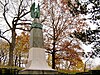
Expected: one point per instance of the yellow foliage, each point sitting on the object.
(22, 43)
(49, 60)
(97, 67)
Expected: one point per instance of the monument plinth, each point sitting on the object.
(37, 61)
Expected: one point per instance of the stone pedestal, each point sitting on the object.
(37, 63)
(36, 38)
(37, 60)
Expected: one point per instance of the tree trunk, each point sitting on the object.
(69, 66)
(86, 63)
(53, 53)
(19, 60)
(10, 63)
(12, 46)
(85, 67)
(53, 58)
(0, 61)
(16, 59)
(4, 60)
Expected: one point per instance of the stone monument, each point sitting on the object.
(37, 62)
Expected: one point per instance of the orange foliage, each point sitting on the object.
(22, 43)
(68, 53)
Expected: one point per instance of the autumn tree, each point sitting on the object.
(69, 54)
(59, 23)
(14, 14)
(3, 52)
(21, 49)
(20, 53)
(91, 35)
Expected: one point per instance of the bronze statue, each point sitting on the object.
(35, 12)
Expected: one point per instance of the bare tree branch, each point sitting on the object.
(2, 3)
(23, 29)
(6, 31)
(23, 24)
(24, 14)
(13, 8)
(5, 39)
(4, 14)
(19, 13)
(43, 19)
